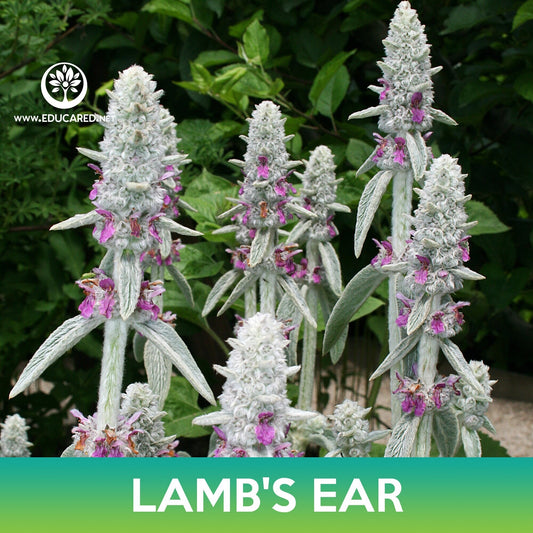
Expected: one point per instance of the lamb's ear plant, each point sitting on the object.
(433, 266)
(265, 203)
(14, 437)
(140, 430)
(405, 117)
(255, 414)
(132, 218)
(320, 271)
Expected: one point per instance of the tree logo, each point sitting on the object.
(64, 80)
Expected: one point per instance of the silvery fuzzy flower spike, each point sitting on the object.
(132, 197)
(14, 437)
(433, 265)
(350, 430)
(139, 433)
(263, 207)
(255, 413)
(472, 408)
(406, 114)
(320, 271)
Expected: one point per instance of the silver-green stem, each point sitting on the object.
(402, 193)
(428, 358)
(115, 338)
(267, 292)
(250, 301)
(307, 374)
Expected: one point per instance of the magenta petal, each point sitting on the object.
(107, 232)
(264, 433)
(86, 307)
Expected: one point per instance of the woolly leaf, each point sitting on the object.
(419, 313)
(288, 311)
(77, 221)
(182, 283)
(417, 153)
(441, 116)
(369, 112)
(291, 289)
(158, 372)
(446, 431)
(128, 274)
(368, 205)
(471, 442)
(246, 282)
(332, 266)
(172, 225)
(361, 286)
(138, 347)
(403, 437)
(401, 350)
(459, 364)
(172, 346)
(61, 340)
(260, 246)
(221, 286)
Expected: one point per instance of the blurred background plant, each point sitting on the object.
(216, 59)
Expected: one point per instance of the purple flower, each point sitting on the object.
(315, 277)
(386, 88)
(414, 397)
(150, 290)
(416, 102)
(399, 150)
(459, 317)
(262, 169)
(239, 452)
(152, 230)
(438, 388)
(98, 171)
(465, 249)
(437, 324)
(385, 253)
(421, 275)
(109, 229)
(382, 142)
(239, 257)
(331, 228)
(405, 311)
(264, 431)
(86, 307)
(281, 212)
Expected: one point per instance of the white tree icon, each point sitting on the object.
(66, 80)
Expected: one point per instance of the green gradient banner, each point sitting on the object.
(264, 495)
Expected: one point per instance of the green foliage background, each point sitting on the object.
(216, 59)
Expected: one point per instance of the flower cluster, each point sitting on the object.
(109, 442)
(439, 243)
(406, 90)
(136, 183)
(255, 413)
(472, 405)
(150, 441)
(101, 296)
(319, 194)
(351, 431)
(14, 437)
(265, 194)
(139, 432)
(418, 398)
